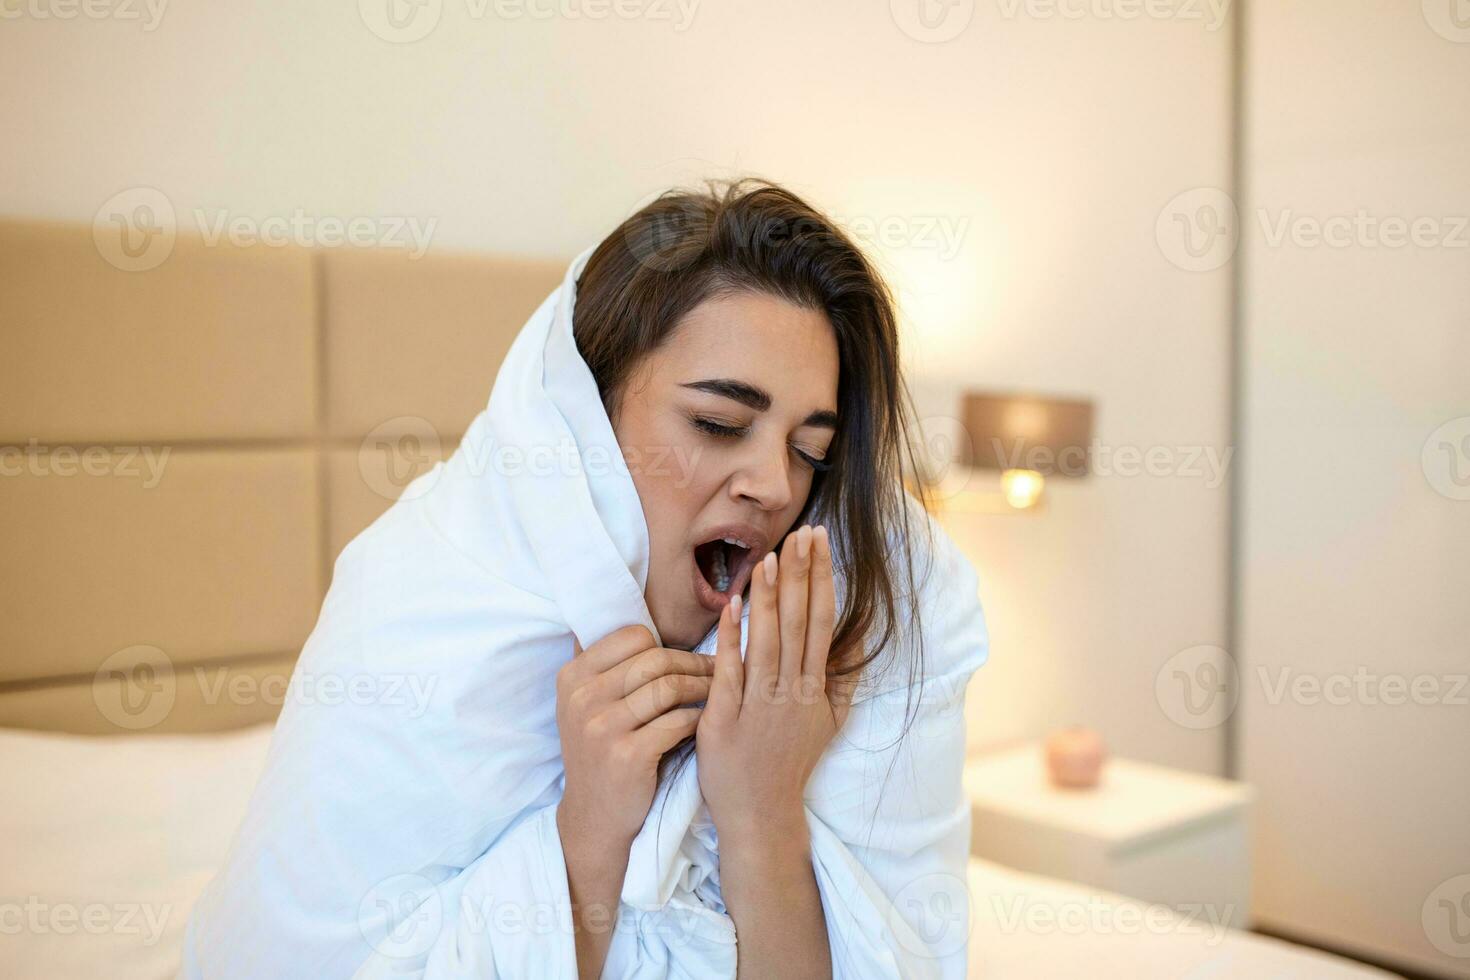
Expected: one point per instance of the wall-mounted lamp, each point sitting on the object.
(1022, 487)
(1027, 439)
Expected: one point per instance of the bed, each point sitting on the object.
(121, 834)
(183, 452)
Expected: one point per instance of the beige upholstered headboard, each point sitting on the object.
(184, 450)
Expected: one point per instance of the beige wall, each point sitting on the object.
(1017, 170)
(1354, 564)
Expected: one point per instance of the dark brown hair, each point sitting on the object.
(688, 246)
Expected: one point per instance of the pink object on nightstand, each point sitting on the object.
(1075, 757)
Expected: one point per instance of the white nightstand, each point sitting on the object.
(1156, 834)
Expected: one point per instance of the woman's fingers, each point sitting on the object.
(647, 677)
(649, 703)
(626, 677)
(667, 731)
(614, 648)
(763, 643)
(729, 684)
(821, 614)
(796, 561)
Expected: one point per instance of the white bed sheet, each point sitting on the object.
(106, 842)
(1028, 927)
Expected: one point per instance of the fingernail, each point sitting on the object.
(820, 535)
(803, 542)
(770, 564)
(735, 609)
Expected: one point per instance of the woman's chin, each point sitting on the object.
(685, 630)
(689, 636)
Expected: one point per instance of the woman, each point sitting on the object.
(695, 446)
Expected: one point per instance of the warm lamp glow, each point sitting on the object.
(1022, 487)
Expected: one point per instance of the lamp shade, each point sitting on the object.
(1051, 436)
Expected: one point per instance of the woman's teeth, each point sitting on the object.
(722, 576)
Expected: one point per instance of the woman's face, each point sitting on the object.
(718, 425)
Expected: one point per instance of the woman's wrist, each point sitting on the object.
(763, 837)
(589, 844)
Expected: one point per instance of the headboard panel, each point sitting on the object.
(184, 450)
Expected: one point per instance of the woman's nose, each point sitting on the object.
(764, 478)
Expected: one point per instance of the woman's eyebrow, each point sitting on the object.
(752, 397)
(743, 392)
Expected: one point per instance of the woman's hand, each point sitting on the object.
(620, 705)
(764, 728)
(769, 719)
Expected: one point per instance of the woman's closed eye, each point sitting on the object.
(715, 428)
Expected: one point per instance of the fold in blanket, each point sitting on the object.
(394, 835)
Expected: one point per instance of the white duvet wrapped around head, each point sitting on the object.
(412, 832)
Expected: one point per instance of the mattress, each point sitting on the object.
(1032, 927)
(108, 842)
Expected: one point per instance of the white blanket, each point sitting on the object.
(405, 822)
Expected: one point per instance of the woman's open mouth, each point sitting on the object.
(722, 565)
